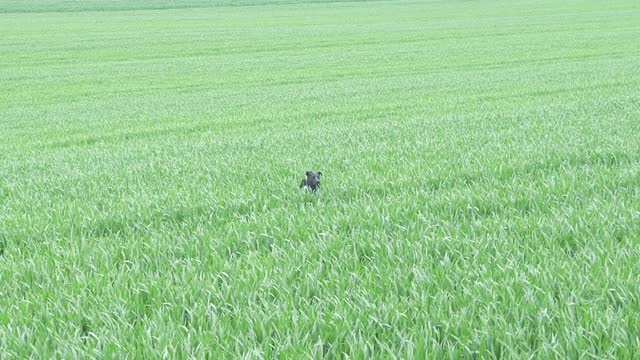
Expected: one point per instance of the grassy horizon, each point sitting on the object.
(480, 196)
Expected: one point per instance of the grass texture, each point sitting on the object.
(481, 190)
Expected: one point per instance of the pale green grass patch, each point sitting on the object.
(480, 192)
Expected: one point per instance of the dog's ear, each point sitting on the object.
(308, 173)
(320, 173)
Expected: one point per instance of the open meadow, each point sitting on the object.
(480, 194)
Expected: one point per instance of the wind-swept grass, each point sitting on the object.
(480, 198)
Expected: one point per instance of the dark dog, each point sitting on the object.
(312, 182)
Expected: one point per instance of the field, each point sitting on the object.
(480, 193)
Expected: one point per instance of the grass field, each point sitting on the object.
(481, 190)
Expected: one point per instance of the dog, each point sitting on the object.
(312, 182)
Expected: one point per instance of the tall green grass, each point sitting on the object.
(481, 190)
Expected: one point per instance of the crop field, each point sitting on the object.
(480, 194)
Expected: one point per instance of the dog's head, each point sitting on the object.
(313, 178)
